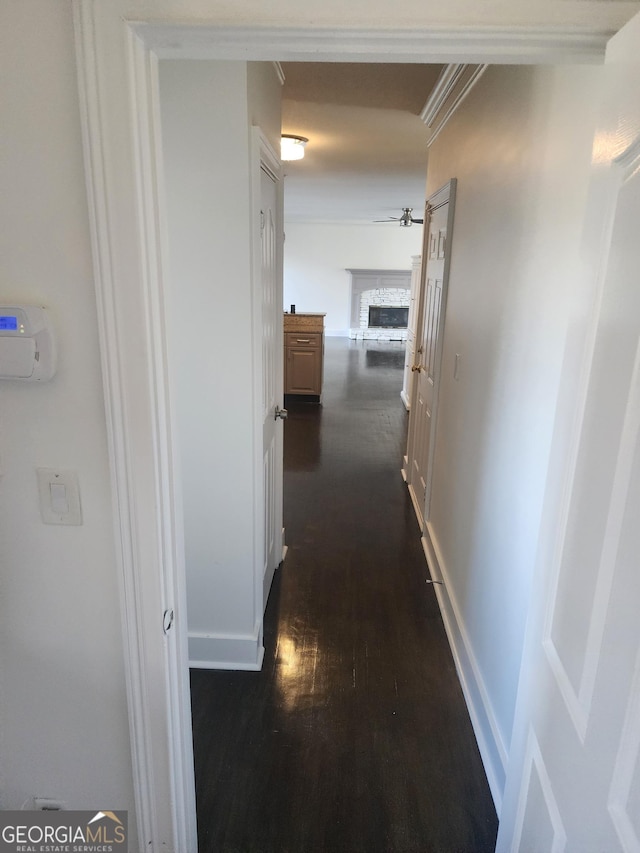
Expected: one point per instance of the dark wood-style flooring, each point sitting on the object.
(355, 737)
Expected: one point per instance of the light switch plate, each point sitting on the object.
(65, 492)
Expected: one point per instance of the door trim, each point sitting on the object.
(498, 45)
(147, 505)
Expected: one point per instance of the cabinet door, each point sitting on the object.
(303, 370)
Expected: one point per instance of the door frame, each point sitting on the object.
(118, 46)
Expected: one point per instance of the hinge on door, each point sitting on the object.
(262, 220)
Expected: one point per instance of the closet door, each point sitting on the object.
(269, 298)
(426, 367)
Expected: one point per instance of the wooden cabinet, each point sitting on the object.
(303, 354)
(303, 368)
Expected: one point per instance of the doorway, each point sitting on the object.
(130, 264)
(201, 338)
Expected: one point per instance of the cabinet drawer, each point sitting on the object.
(303, 339)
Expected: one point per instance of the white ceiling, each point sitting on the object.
(366, 157)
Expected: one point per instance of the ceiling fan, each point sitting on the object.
(406, 220)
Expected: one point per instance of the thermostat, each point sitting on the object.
(27, 346)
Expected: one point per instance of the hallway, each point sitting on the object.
(354, 736)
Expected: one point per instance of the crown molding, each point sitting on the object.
(452, 87)
(279, 72)
(448, 78)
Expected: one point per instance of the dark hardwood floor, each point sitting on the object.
(355, 736)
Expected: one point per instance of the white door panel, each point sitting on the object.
(270, 297)
(576, 784)
(420, 444)
(410, 350)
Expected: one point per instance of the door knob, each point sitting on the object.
(280, 413)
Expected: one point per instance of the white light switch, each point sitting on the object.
(59, 503)
(59, 496)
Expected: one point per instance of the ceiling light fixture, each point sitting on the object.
(292, 147)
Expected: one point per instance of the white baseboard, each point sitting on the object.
(405, 469)
(266, 586)
(405, 400)
(268, 577)
(226, 651)
(416, 505)
(487, 732)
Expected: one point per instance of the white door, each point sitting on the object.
(412, 322)
(574, 775)
(270, 298)
(436, 254)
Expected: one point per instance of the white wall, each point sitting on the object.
(264, 94)
(206, 113)
(63, 715)
(520, 147)
(316, 259)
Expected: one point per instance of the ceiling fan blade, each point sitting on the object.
(405, 219)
